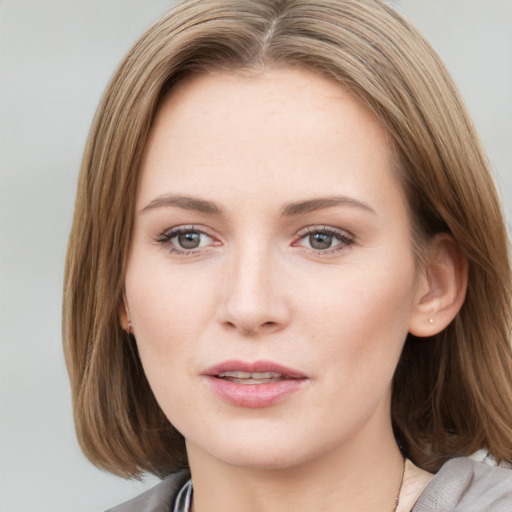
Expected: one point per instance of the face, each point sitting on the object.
(271, 279)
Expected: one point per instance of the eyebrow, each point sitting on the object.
(184, 202)
(288, 210)
(311, 205)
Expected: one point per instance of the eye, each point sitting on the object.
(324, 240)
(321, 241)
(190, 240)
(185, 240)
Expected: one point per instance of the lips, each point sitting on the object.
(253, 385)
(252, 368)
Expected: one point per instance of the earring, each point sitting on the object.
(430, 320)
(130, 326)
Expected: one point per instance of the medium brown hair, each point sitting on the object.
(452, 393)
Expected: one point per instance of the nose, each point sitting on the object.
(254, 300)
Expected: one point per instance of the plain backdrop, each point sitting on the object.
(56, 57)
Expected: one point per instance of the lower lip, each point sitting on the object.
(255, 395)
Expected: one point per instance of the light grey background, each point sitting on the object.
(55, 59)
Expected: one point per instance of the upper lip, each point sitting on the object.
(253, 367)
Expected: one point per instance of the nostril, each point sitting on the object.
(252, 329)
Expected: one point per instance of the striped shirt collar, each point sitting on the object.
(183, 500)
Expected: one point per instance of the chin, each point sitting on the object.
(258, 452)
(262, 459)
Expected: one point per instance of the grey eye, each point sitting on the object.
(190, 240)
(324, 240)
(320, 241)
(185, 240)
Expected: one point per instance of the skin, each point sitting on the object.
(258, 287)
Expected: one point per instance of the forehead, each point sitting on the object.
(277, 102)
(273, 130)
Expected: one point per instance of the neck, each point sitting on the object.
(358, 478)
(413, 485)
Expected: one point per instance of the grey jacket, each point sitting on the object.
(461, 485)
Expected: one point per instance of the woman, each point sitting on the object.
(288, 271)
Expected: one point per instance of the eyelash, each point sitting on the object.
(345, 240)
(165, 239)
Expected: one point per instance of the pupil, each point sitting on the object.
(189, 240)
(320, 241)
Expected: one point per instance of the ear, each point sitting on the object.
(124, 317)
(442, 289)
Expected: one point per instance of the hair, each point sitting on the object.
(452, 393)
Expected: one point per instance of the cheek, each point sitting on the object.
(169, 314)
(356, 340)
(361, 314)
(170, 306)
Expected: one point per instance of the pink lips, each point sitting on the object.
(262, 391)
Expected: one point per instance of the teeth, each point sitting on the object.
(246, 375)
(235, 375)
(251, 378)
(266, 375)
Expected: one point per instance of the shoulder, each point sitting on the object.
(464, 485)
(157, 499)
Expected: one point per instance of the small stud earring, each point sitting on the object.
(430, 320)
